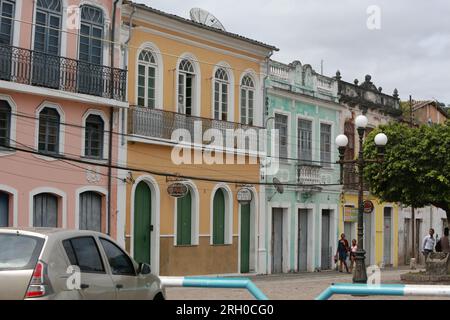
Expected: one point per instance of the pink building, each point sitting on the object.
(59, 100)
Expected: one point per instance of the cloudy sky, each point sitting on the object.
(410, 51)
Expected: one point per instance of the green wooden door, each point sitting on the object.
(245, 238)
(142, 223)
(184, 220)
(219, 218)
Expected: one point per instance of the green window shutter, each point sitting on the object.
(184, 220)
(219, 218)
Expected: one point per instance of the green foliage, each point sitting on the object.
(416, 167)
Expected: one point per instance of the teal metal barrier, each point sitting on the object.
(210, 282)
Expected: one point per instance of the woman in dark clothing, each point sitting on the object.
(341, 253)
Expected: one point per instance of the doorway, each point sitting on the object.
(245, 238)
(142, 223)
(277, 240)
(368, 238)
(326, 245)
(387, 237)
(302, 240)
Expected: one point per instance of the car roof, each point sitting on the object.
(50, 232)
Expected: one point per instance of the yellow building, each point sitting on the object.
(381, 225)
(189, 76)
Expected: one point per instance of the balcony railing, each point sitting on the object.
(351, 179)
(308, 173)
(44, 70)
(160, 124)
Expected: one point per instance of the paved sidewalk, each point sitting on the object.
(304, 286)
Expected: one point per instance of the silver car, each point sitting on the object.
(45, 263)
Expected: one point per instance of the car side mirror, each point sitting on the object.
(144, 269)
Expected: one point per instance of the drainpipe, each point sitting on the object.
(111, 114)
(263, 218)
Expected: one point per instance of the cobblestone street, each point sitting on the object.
(305, 286)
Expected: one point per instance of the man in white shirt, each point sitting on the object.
(428, 244)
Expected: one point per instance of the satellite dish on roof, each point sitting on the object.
(206, 18)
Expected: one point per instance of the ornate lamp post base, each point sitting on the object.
(360, 273)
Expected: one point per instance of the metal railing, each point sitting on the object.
(161, 124)
(384, 290)
(207, 282)
(45, 70)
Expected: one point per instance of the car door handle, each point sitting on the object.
(84, 286)
(119, 286)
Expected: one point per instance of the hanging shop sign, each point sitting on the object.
(244, 196)
(177, 190)
(350, 214)
(368, 206)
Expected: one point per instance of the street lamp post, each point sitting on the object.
(360, 274)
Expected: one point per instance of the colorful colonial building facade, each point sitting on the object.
(187, 78)
(381, 225)
(301, 224)
(60, 96)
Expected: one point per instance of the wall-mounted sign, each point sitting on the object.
(350, 214)
(244, 196)
(177, 190)
(368, 206)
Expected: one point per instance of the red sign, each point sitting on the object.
(368, 206)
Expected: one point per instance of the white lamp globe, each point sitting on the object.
(361, 121)
(381, 140)
(341, 140)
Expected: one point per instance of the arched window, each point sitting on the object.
(7, 8)
(49, 122)
(219, 217)
(221, 92)
(93, 139)
(91, 35)
(90, 211)
(5, 124)
(184, 220)
(147, 79)
(247, 100)
(45, 210)
(47, 43)
(186, 81)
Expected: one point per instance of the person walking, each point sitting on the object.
(353, 250)
(341, 253)
(428, 244)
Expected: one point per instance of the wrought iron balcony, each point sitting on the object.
(351, 179)
(160, 124)
(44, 70)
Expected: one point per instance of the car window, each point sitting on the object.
(19, 252)
(118, 260)
(83, 252)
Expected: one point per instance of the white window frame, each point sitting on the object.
(313, 135)
(332, 144)
(247, 89)
(159, 80)
(62, 121)
(12, 125)
(230, 97)
(196, 85)
(106, 130)
(289, 136)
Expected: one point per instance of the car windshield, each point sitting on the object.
(19, 252)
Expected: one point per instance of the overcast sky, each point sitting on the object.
(410, 51)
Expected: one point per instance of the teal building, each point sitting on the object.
(300, 222)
